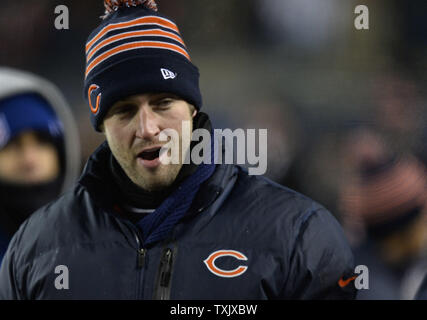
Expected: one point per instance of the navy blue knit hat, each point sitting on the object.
(28, 111)
(136, 50)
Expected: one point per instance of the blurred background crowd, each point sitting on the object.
(345, 109)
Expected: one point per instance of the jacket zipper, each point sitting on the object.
(141, 253)
(165, 275)
(141, 260)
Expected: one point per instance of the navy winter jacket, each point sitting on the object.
(244, 237)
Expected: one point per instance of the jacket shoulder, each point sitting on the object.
(262, 203)
(275, 197)
(54, 225)
(316, 251)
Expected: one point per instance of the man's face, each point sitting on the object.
(29, 159)
(132, 128)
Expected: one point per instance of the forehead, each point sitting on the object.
(150, 96)
(29, 137)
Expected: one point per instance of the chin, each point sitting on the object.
(155, 185)
(155, 182)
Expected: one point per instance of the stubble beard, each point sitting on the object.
(150, 179)
(155, 179)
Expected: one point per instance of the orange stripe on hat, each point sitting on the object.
(132, 34)
(389, 194)
(133, 46)
(139, 21)
(409, 189)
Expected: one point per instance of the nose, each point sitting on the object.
(30, 158)
(148, 126)
(30, 161)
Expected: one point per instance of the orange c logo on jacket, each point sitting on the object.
(92, 88)
(210, 263)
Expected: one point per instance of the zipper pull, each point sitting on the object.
(141, 257)
(167, 264)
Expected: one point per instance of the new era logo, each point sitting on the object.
(167, 74)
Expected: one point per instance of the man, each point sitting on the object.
(383, 201)
(35, 159)
(136, 228)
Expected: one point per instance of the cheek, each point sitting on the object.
(120, 142)
(50, 159)
(7, 162)
(176, 121)
(115, 134)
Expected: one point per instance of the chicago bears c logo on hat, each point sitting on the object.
(93, 91)
(210, 263)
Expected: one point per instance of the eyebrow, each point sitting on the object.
(164, 95)
(152, 97)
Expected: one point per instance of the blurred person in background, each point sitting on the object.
(383, 205)
(39, 148)
(399, 115)
(307, 25)
(284, 134)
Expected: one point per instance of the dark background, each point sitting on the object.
(296, 67)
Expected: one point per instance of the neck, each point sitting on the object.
(135, 196)
(19, 201)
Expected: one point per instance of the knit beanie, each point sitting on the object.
(24, 112)
(387, 195)
(136, 50)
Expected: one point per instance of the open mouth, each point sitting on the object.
(150, 154)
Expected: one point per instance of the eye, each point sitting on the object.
(124, 110)
(163, 104)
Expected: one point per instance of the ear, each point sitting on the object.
(194, 113)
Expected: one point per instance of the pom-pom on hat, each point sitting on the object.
(113, 5)
(136, 50)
